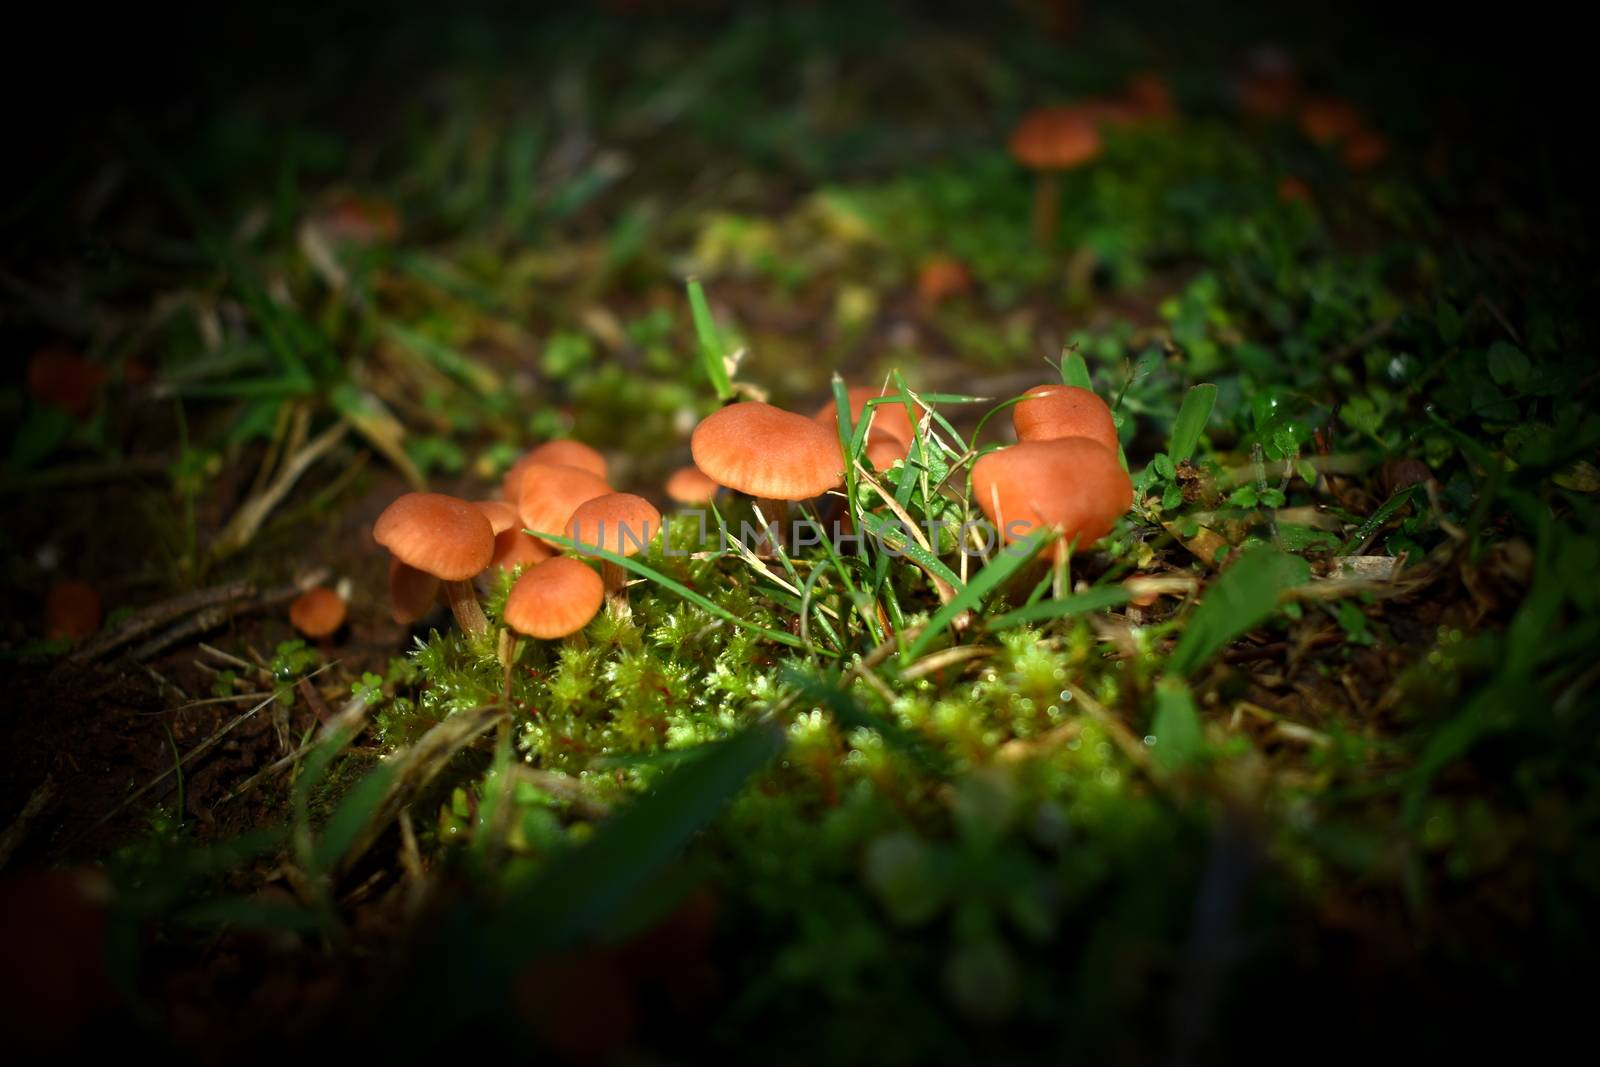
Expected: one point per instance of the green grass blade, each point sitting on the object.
(886, 535)
(1376, 520)
(1241, 598)
(1005, 563)
(1192, 419)
(575, 894)
(1081, 604)
(705, 328)
(643, 571)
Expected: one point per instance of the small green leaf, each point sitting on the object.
(1448, 322)
(1243, 597)
(355, 810)
(1074, 371)
(1508, 365)
(1179, 738)
(1191, 422)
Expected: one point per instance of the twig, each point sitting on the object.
(216, 615)
(146, 619)
(248, 519)
(17, 832)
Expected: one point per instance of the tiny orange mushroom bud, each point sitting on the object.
(71, 610)
(689, 485)
(318, 612)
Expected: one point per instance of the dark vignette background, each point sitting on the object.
(86, 88)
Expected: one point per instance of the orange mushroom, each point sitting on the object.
(888, 419)
(1054, 411)
(411, 592)
(1364, 150)
(620, 523)
(550, 494)
(773, 455)
(318, 613)
(941, 277)
(563, 453)
(1327, 119)
(71, 610)
(554, 599)
(1072, 483)
(689, 485)
(448, 538)
(1049, 141)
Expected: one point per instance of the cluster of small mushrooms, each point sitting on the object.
(1064, 474)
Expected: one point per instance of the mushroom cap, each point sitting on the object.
(72, 609)
(554, 598)
(890, 418)
(411, 592)
(884, 452)
(1074, 483)
(766, 452)
(1056, 138)
(563, 453)
(445, 536)
(940, 277)
(63, 377)
(1054, 411)
(617, 522)
(551, 493)
(501, 516)
(1150, 96)
(689, 485)
(317, 612)
(1326, 119)
(1364, 150)
(513, 549)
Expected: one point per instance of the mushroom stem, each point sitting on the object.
(616, 582)
(464, 604)
(776, 512)
(1061, 580)
(1046, 201)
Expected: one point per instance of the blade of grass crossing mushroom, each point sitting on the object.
(705, 328)
(631, 564)
(1006, 562)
